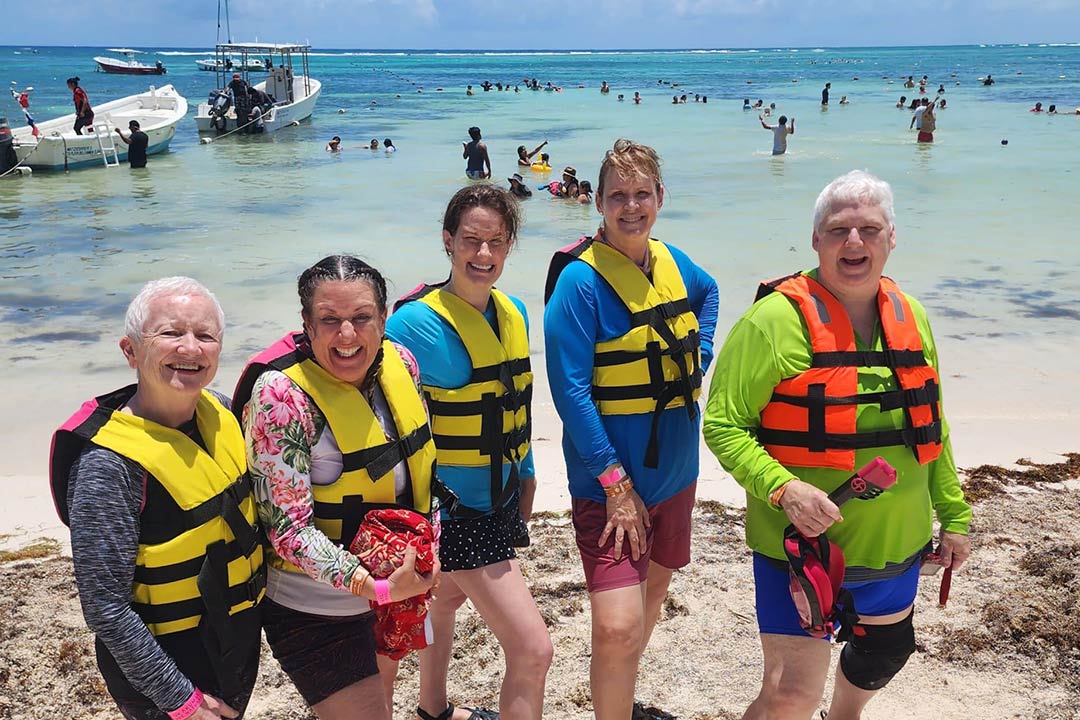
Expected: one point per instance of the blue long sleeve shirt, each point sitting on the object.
(444, 362)
(582, 311)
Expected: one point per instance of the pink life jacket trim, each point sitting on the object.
(69, 439)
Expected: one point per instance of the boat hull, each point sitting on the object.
(58, 147)
(120, 67)
(281, 115)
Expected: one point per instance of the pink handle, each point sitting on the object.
(879, 473)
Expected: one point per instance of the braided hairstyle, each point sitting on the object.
(349, 269)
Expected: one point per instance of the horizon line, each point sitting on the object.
(475, 51)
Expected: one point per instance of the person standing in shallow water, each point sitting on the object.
(802, 369)
(780, 132)
(137, 143)
(475, 152)
(630, 426)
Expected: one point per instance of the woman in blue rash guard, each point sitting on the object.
(628, 332)
(471, 342)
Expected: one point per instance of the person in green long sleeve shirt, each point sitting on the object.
(768, 423)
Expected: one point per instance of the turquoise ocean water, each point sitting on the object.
(986, 233)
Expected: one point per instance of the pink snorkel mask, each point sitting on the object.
(817, 564)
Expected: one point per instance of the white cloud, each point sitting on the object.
(722, 7)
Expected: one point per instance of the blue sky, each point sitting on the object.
(583, 24)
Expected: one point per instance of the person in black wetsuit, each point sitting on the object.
(137, 143)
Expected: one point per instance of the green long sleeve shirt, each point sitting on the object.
(770, 343)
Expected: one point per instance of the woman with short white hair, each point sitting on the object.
(152, 480)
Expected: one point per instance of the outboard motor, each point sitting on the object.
(8, 159)
(220, 101)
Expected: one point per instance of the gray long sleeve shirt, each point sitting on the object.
(105, 497)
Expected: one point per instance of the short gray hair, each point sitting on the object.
(139, 309)
(857, 186)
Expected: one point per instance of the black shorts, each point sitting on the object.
(320, 654)
(483, 541)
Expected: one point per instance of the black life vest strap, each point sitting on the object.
(510, 402)
(870, 358)
(929, 394)
(168, 612)
(225, 504)
(182, 570)
(820, 442)
(381, 459)
(659, 313)
(492, 441)
(689, 344)
(499, 372)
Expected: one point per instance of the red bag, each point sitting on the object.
(380, 544)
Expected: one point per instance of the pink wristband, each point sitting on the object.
(382, 592)
(613, 476)
(187, 709)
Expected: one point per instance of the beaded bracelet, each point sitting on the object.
(620, 488)
(188, 708)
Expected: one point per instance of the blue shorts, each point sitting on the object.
(776, 613)
(474, 174)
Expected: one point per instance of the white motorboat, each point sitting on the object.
(128, 66)
(293, 91)
(230, 65)
(59, 148)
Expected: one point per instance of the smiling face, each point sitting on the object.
(478, 249)
(853, 242)
(179, 347)
(629, 205)
(345, 328)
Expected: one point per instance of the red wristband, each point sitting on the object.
(382, 591)
(188, 708)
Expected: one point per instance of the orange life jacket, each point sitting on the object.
(811, 419)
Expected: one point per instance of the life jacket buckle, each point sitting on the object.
(923, 434)
(255, 585)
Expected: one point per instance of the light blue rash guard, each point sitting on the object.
(444, 362)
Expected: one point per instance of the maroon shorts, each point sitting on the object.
(925, 137)
(667, 542)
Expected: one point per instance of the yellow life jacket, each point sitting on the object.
(657, 364)
(369, 459)
(200, 554)
(488, 421)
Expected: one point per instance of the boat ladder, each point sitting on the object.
(107, 145)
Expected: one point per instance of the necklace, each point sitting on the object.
(646, 263)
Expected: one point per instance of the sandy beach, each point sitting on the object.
(1003, 648)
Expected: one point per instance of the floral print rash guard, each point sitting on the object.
(282, 427)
